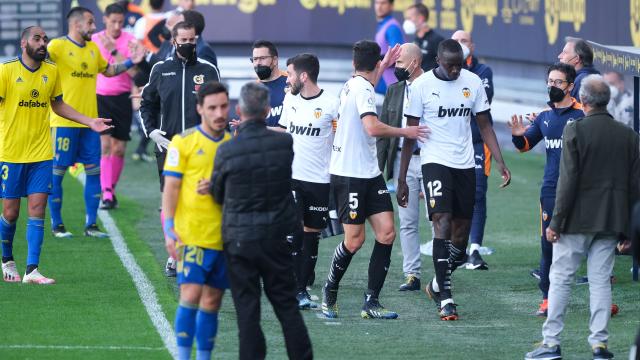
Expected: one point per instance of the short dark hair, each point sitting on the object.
(308, 63)
(366, 54)
(181, 25)
(265, 44)
(582, 49)
(254, 99)
(450, 46)
(156, 4)
(196, 19)
(568, 71)
(27, 32)
(114, 8)
(421, 9)
(211, 88)
(77, 12)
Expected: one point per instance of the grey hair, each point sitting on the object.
(254, 99)
(595, 92)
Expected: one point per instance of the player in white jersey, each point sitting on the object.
(358, 187)
(308, 114)
(444, 100)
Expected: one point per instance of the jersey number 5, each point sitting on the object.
(435, 188)
(353, 201)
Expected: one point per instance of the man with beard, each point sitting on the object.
(308, 113)
(168, 104)
(265, 63)
(193, 220)
(114, 101)
(79, 61)
(29, 85)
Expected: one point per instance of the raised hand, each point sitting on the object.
(516, 125)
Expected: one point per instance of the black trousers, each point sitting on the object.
(270, 260)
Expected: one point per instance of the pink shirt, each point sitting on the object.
(119, 84)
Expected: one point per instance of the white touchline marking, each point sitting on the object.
(80, 347)
(143, 285)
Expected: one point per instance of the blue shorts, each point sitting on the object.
(202, 266)
(75, 145)
(23, 179)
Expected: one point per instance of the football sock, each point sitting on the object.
(185, 328)
(456, 256)
(92, 194)
(206, 330)
(378, 267)
(441, 266)
(117, 164)
(106, 183)
(35, 236)
(339, 264)
(55, 199)
(309, 257)
(296, 254)
(7, 233)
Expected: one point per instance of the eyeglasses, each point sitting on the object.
(259, 58)
(556, 82)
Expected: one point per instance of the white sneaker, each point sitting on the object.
(36, 278)
(10, 272)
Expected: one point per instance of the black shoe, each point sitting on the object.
(545, 352)
(108, 205)
(432, 294)
(329, 301)
(475, 262)
(115, 201)
(372, 309)
(94, 231)
(449, 312)
(61, 232)
(170, 268)
(411, 283)
(535, 273)
(602, 353)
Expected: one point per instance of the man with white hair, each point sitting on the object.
(594, 198)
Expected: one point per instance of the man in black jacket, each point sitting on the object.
(168, 104)
(252, 178)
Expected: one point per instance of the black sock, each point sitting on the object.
(309, 258)
(341, 260)
(456, 256)
(30, 268)
(378, 267)
(296, 255)
(6, 259)
(441, 266)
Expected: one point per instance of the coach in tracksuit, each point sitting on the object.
(482, 155)
(548, 126)
(168, 104)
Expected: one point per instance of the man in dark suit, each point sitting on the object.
(252, 178)
(599, 183)
(408, 68)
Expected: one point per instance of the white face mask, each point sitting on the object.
(465, 51)
(409, 27)
(614, 92)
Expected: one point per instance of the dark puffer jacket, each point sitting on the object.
(252, 179)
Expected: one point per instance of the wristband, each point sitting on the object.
(167, 226)
(128, 64)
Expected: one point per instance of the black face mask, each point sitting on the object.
(555, 94)
(186, 50)
(263, 72)
(401, 74)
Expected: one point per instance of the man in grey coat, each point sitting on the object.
(598, 185)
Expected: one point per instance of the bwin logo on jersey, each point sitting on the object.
(304, 130)
(275, 111)
(553, 143)
(451, 112)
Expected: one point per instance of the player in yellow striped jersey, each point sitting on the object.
(193, 222)
(79, 62)
(29, 88)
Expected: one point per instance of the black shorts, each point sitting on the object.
(118, 109)
(160, 158)
(357, 199)
(449, 190)
(312, 201)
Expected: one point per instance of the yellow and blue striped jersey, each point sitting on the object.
(198, 218)
(79, 67)
(26, 96)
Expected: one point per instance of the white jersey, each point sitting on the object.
(310, 123)
(354, 150)
(446, 108)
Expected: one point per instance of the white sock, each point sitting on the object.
(473, 247)
(434, 285)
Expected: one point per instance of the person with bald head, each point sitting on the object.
(407, 69)
(482, 155)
